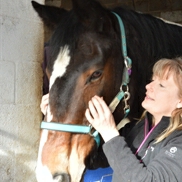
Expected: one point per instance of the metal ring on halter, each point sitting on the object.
(126, 61)
(127, 88)
(91, 133)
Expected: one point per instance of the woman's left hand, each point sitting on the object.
(101, 118)
(44, 103)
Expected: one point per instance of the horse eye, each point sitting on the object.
(96, 75)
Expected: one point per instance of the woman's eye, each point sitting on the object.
(161, 85)
(96, 75)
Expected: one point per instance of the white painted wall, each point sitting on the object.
(21, 54)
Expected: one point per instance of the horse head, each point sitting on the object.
(86, 60)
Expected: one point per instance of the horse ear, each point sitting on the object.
(91, 13)
(50, 15)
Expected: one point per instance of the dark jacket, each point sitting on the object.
(161, 162)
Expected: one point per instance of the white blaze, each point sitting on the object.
(60, 65)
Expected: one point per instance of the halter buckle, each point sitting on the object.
(126, 97)
(90, 132)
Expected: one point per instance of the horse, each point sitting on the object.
(95, 51)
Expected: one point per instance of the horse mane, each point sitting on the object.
(163, 37)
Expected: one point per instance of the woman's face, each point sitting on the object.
(161, 97)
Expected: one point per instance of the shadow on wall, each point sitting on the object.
(12, 162)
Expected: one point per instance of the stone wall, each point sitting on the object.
(21, 54)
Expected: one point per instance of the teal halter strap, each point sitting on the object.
(126, 73)
(127, 60)
(83, 129)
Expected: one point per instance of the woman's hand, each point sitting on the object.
(44, 103)
(101, 118)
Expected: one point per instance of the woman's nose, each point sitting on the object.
(149, 86)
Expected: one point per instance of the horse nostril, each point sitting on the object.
(63, 177)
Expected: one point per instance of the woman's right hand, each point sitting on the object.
(44, 103)
(100, 117)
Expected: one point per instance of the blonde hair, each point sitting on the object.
(162, 69)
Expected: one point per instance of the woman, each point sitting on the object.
(152, 150)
